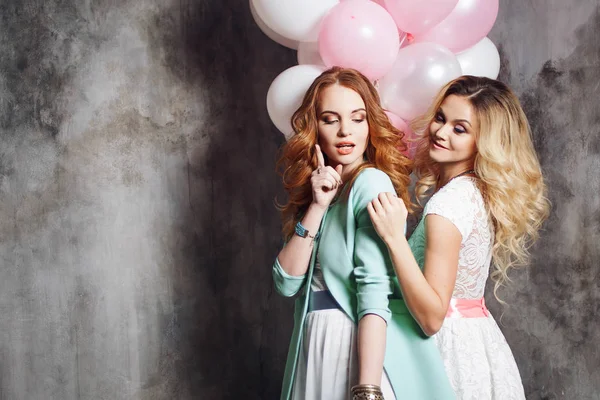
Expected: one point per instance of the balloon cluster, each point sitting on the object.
(409, 48)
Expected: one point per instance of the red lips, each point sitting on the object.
(345, 148)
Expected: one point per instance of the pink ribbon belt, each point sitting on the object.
(467, 308)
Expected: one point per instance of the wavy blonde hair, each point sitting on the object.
(298, 157)
(510, 177)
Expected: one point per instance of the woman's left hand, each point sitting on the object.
(388, 214)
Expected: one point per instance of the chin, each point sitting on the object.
(335, 161)
(434, 156)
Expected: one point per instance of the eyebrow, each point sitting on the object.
(333, 112)
(441, 111)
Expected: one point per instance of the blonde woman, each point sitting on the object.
(488, 201)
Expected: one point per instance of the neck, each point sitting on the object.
(450, 172)
(347, 172)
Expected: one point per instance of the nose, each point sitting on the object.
(442, 132)
(345, 129)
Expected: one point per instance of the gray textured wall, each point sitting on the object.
(137, 225)
(550, 54)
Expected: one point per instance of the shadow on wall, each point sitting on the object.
(230, 339)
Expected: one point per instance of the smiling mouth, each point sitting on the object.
(437, 145)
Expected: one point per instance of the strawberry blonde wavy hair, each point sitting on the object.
(298, 156)
(509, 174)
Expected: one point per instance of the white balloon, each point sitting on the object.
(294, 19)
(308, 54)
(419, 72)
(286, 93)
(480, 60)
(271, 34)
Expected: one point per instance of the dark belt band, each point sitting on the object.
(322, 300)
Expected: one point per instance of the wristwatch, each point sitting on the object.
(303, 232)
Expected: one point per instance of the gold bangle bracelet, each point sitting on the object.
(366, 392)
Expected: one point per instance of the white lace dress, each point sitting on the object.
(477, 358)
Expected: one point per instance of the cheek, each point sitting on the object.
(469, 146)
(474, 148)
(364, 134)
(325, 134)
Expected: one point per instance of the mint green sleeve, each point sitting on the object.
(286, 284)
(372, 265)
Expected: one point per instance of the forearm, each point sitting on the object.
(295, 256)
(371, 349)
(425, 304)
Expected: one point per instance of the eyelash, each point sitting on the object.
(440, 118)
(358, 121)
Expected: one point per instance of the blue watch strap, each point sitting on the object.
(303, 232)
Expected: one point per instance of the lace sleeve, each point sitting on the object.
(455, 202)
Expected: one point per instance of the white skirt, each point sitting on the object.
(328, 362)
(478, 360)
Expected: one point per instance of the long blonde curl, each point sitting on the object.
(509, 174)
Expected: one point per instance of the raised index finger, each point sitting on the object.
(320, 158)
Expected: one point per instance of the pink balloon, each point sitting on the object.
(380, 2)
(418, 16)
(419, 73)
(467, 24)
(409, 135)
(359, 34)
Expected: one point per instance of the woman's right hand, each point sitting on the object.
(388, 214)
(325, 181)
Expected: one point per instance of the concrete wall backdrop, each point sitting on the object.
(551, 57)
(137, 186)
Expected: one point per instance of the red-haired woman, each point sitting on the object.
(353, 332)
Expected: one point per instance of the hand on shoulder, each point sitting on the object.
(388, 214)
